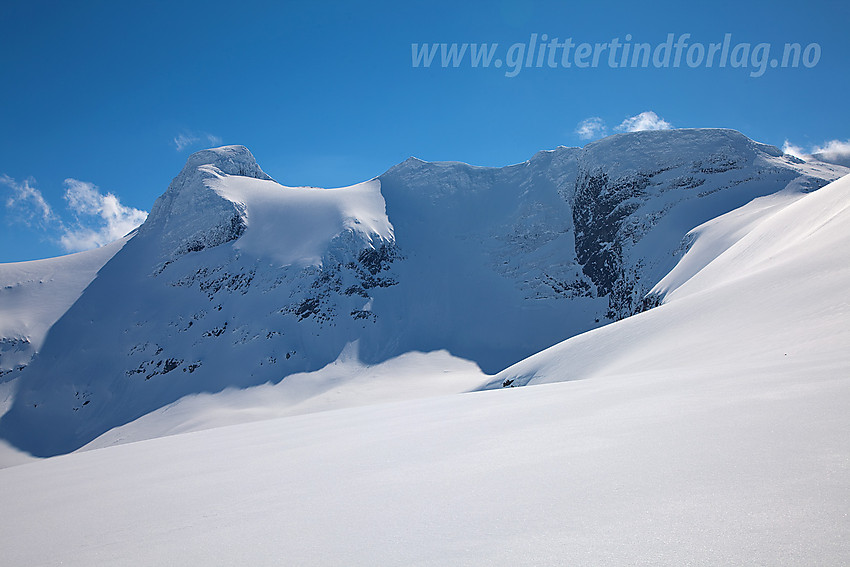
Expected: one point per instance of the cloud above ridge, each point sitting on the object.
(99, 219)
(26, 203)
(647, 120)
(91, 218)
(591, 128)
(832, 151)
(186, 140)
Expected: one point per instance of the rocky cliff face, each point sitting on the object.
(626, 210)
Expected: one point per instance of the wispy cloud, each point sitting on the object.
(189, 139)
(591, 128)
(26, 203)
(837, 151)
(833, 149)
(92, 218)
(99, 219)
(794, 150)
(644, 121)
(594, 127)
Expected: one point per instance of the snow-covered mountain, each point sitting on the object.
(235, 281)
(711, 430)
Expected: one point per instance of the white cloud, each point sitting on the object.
(188, 139)
(644, 121)
(26, 201)
(589, 128)
(794, 150)
(92, 219)
(182, 141)
(99, 218)
(833, 149)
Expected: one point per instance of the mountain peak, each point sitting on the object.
(190, 215)
(228, 160)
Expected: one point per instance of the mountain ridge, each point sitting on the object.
(489, 264)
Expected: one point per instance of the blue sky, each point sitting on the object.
(102, 102)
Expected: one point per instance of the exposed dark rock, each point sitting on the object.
(600, 208)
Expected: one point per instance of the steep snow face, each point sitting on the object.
(565, 242)
(235, 281)
(489, 269)
(34, 295)
(294, 225)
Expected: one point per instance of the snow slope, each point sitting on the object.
(292, 225)
(642, 470)
(346, 382)
(710, 430)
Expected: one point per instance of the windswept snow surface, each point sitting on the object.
(711, 430)
(644, 470)
(346, 382)
(293, 225)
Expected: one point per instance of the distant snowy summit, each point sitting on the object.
(189, 216)
(235, 280)
(222, 191)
